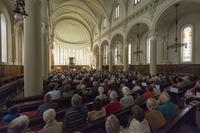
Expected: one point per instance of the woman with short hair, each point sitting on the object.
(18, 125)
(112, 124)
(153, 115)
(51, 126)
(127, 100)
(139, 124)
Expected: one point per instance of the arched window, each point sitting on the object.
(136, 1)
(3, 33)
(129, 53)
(148, 51)
(117, 11)
(105, 54)
(187, 38)
(117, 53)
(104, 22)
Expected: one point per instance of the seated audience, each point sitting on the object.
(19, 125)
(114, 105)
(55, 93)
(94, 90)
(153, 115)
(101, 95)
(112, 124)
(51, 126)
(77, 114)
(13, 112)
(149, 93)
(98, 111)
(49, 104)
(67, 92)
(136, 87)
(167, 108)
(127, 100)
(139, 124)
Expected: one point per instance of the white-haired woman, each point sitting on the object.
(153, 115)
(112, 124)
(167, 108)
(114, 105)
(52, 126)
(19, 125)
(127, 100)
(101, 95)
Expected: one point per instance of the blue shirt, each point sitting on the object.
(168, 109)
(9, 117)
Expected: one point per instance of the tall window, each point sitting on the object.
(129, 53)
(115, 56)
(117, 11)
(187, 38)
(136, 1)
(148, 50)
(104, 22)
(105, 55)
(4, 56)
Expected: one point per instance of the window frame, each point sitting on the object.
(117, 11)
(135, 2)
(148, 51)
(1, 45)
(129, 53)
(181, 40)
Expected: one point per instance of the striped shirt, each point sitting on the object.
(75, 116)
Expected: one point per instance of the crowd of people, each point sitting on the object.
(116, 87)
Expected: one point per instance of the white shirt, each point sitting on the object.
(139, 127)
(55, 94)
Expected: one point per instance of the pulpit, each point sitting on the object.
(71, 61)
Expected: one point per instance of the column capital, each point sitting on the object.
(153, 34)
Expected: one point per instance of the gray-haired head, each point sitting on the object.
(18, 125)
(112, 124)
(164, 97)
(152, 104)
(76, 100)
(49, 115)
(101, 90)
(113, 96)
(126, 91)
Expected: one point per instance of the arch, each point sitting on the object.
(144, 21)
(105, 42)
(117, 36)
(160, 13)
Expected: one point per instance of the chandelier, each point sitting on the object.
(19, 10)
(177, 44)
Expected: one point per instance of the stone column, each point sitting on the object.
(32, 49)
(110, 59)
(45, 42)
(152, 53)
(125, 56)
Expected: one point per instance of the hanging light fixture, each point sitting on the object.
(138, 51)
(177, 44)
(19, 10)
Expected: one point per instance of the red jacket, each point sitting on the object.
(113, 107)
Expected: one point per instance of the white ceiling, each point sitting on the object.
(71, 32)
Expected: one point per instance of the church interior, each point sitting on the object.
(99, 66)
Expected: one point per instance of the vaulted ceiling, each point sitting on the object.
(77, 21)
